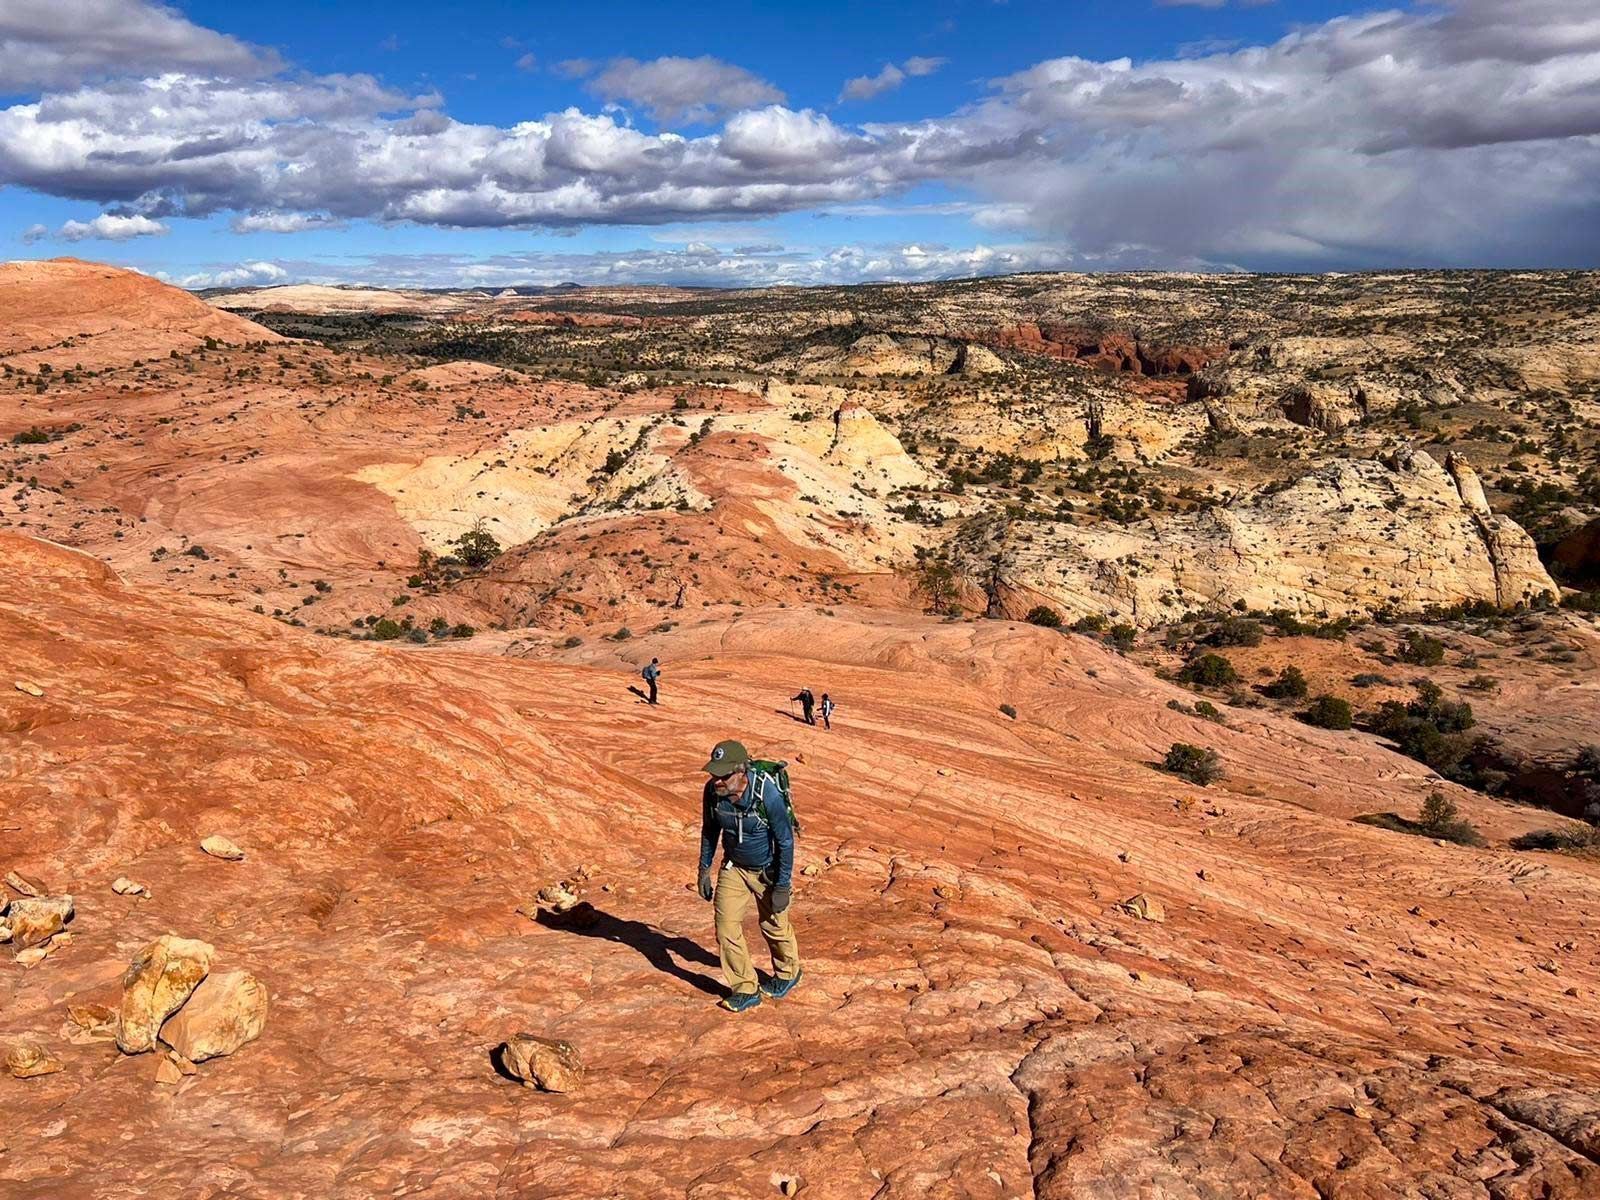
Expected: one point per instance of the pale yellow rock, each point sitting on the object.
(156, 984)
(32, 689)
(226, 1011)
(29, 1060)
(24, 885)
(34, 920)
(123, 886)
(220, 847)
(550, 1066)
(1146, 908)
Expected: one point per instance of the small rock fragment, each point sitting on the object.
(29, 1060)
(96, 1020)
(155, 986)
(32, 689)
(558, 897)
(220, 847)
(167, 1072)
(26, 885)
(226, 1011)
(811, 869)
(123, 886)
(1146, 908)
(550, 1066)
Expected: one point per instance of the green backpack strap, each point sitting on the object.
(778, 771)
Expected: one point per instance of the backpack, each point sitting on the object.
(778, 771)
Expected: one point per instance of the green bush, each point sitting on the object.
(1094, 623)
(1420, 650)
(477, 548)
(1122, 637)
(622, 635)
(1235, 631)
(30, 437)
(1329, 712)
(1208, 670)
(1197, 764)
(1044, 616)
(1289, 685)
(385, 630)
(1572, 839)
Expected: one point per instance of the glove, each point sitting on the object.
(707, 890)
(780, 899)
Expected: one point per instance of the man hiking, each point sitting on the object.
(651, 673)
(827, 711)
(745, 803)
(807, 704)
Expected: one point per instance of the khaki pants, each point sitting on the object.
(736, 888)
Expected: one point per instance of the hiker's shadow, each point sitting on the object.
(585, 920)
(784, 712)
(640, 692)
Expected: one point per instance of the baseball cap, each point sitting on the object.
(726, 758)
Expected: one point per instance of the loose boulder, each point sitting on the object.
(1146, 908)
(155, 986)
(550, 1066)
(220, 847)
(34, 920)
(227, 1010)
(28, 1060)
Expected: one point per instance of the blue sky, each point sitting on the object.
(496, 143)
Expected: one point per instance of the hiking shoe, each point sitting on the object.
(740, 1001)
(779, 988)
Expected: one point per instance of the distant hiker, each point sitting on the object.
(651, 673)
(747, 802)
(807, 703)
(827, 711)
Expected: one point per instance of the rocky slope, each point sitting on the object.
(1349, 538)
(1307, 1008)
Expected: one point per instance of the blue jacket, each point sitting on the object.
(755, 828)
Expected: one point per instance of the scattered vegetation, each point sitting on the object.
(1198, 764)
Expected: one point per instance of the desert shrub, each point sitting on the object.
(385, 630)
(1235, 631)
(462, 630)
(30, 437)
(416, 635)
(477, 547)
(1208, 670)
(1571, 839)
(1208, 711)
(572, 642)
(1289, 685)
(1429, 729)
(438, 627)
(1094, 623)
(1197, 764)
(622, 634)
(1009, 711)
(1044, 616)
(1329, 712)
(1367, 679)
(1440, 818)
(1122, 637)
(1420, 650)
(1482, 683)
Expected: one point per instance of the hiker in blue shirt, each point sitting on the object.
(746, 804)
(651, 673)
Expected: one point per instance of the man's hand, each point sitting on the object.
(780, 899)
(707, 889)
